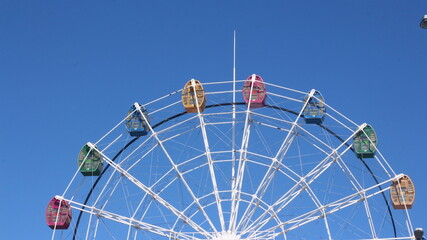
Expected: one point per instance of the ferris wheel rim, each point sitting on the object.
(231, 104)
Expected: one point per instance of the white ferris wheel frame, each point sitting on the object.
(235, 226)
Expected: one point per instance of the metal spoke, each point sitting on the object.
(202, 175)
(327, 209)
(128, 221)
(237, 185)
(175, 167)
(209, 158)
(300, 186)
(156, 196)
(269, 175)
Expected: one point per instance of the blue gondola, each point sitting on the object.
(314, 111)
(135, 122)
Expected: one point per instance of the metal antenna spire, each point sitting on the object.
(233, 137)
(234, 67)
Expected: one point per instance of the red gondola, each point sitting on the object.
(58, 214)
(258, 94)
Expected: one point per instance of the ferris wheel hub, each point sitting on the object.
(227, 236)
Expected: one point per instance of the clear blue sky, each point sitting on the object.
(68, 67)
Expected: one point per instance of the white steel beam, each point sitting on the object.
(155, 196)
(270, 173)
(126, 220)
(299, 187)
(237, 185)
(175, 167)
(209, 158)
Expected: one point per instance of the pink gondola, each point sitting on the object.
(58, 214)
(258, 94)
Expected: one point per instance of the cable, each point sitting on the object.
(231, 104)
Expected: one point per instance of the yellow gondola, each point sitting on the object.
(193, 96)
(402, 192)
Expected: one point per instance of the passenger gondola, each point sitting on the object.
(365, 142)
(423, 23)
(193, 97)
(314, 111)
(58, 214)
(135, 123)
(254, 88)
(402, 193)
(90, 160)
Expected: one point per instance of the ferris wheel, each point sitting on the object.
(230, 160)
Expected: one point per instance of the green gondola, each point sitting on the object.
(365, 143)
(90, 160)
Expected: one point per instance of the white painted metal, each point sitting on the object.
(209, 158)
(236, 188)
(202, 190)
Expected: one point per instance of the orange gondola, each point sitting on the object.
(193, 97)
(402, 193)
